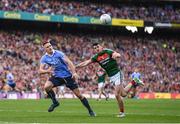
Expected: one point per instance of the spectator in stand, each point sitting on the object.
(165, 13)
(160, 73)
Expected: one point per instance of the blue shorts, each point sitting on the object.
(68, 81)
(12, 85)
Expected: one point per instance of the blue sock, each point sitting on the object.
(52, 95)
(86, 104)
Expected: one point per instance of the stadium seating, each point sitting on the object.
(164, 13)
(156, 58)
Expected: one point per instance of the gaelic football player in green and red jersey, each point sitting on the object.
(107, 60)
(101, 79)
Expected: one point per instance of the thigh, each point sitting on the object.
(100, 85)
(61, 88)
(117, 89)
(77, 93)
(6, 87)
(48, 85)
(116, 79)
(55, 81)
(70, 83)
(12, 85)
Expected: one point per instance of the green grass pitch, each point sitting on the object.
(72, 111)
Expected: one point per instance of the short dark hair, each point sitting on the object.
(95, 44)
(46, 41)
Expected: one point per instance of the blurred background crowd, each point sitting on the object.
(163, 13)
(156, 58)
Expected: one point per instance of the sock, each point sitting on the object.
(122, 110)
(51, 94)
(86, 104)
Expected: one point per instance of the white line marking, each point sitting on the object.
(66, 112)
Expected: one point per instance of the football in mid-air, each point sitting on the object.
(105, 19)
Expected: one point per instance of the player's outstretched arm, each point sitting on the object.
(42, 69)
(83, 64)
(71, 67)
(70, 64)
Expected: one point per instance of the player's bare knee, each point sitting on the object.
(47, 88)
(117, 96)
(80, 96)
(123, 94)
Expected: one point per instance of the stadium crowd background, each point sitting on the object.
(157, 58)
(163, 13)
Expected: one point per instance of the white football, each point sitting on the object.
(105, 19)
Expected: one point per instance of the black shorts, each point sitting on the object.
(68, 81)
(13, 85)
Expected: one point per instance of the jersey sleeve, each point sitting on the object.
(109, 51)
(10, 77)
(139, 75)
(61, 54)
(132, 75)
(43, 60)
(94, 58)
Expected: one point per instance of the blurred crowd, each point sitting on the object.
(164, 13)
(157, 59)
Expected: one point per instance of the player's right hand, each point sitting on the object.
(50, 70)
(75, 76)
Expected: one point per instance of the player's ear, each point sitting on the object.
(42, 49)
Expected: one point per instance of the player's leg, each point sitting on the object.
(123, 93)
(62, 91)
(99, 90)
(119, 99)
(103, 92)
(15, 88)
(74, 87)
(133, 92)
(6, 89)
(119, 90)
(48, 88)
(133, 84)
(84, 101)
(55, 89)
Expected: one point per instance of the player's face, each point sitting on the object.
(136, 70)
(97, 48)
(48, 47)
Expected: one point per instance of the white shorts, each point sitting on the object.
(100, 85)
(61, 88)
(117, 79)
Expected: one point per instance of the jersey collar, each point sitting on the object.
(51, 54)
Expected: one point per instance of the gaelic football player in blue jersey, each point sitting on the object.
(62, 71)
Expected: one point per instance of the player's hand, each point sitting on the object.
(50, 70)
(115, 55)
(75, 76)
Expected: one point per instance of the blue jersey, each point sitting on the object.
(56, 60)
(10, 78)
(136, 75)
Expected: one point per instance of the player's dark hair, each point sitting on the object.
(95, 44)
(45, 42)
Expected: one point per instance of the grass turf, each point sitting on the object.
(72, 111)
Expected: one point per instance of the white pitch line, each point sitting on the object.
(151, 114)
(39, 111)
(2, 122)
